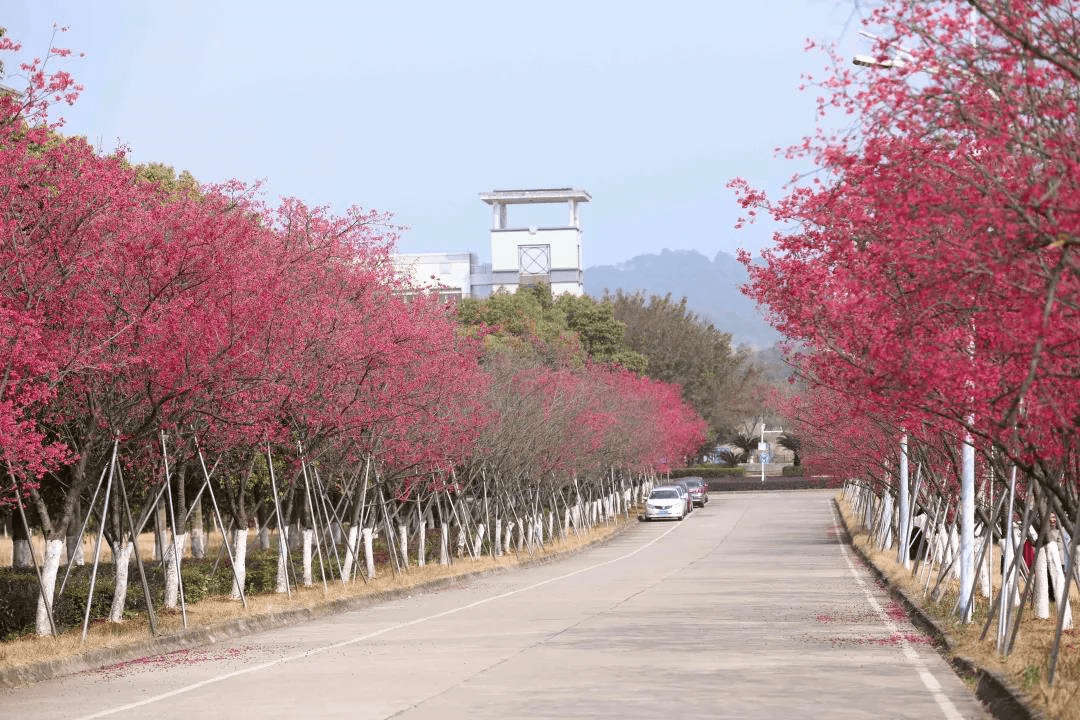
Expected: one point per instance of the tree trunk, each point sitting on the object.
(444, 544)
(309, 537)
(20, 546)
(1042, 588)
(54, 549)
(122, 562)
(478, 542)
(983, 573)
(74, 538)
(369, 554)
(421, 544)
(239, 562)
(198, 533)
(403, 541)
(1057, 579)
(161, 522)
(282, 585)
(172, 570)
(350, 553)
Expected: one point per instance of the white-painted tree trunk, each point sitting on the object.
(984, 570)
(1042, 588)
(551, 525)
(497, 538)
(308, 541)
(350, 552)
(75, 551)
(122, 564)
(264, 538)
(50, 565)
(403, 545)
(281, 584)
(509, 540)
(1057, 577)
(239, 562)
(198, 543)
(172, 570)
(421, 545)
(1008, 552)
(461, 541)
(444, 544)
(369, 554)
(198, 535)
(478, 542)
(566, 521)
(953, 553)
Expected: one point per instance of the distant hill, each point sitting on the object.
(711, 288)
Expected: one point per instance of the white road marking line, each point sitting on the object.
(361, 638)
(908, 651)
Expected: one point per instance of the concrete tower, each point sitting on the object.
(527, 256)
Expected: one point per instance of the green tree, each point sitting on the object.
(557, 330)
(792, 443)
(722, 383)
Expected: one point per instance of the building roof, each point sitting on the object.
(540, 195)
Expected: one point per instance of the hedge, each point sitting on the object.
(709, 471)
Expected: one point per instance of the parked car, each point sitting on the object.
(699, 490)
(684, 489)
(666, 501)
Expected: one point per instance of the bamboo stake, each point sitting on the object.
(220, 522)
(283, 543)
(172, 519)
(97, 545)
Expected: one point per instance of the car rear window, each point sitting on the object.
(663, 495)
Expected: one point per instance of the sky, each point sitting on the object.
(415, 107)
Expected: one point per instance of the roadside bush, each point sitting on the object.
(792, 471)
(709, 471)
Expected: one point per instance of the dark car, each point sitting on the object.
(699, 490)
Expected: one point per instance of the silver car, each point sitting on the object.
(665, 502)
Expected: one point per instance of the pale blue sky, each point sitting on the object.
(415, 107)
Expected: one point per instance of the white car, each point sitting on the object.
(665, 502)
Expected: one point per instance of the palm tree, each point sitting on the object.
(746, 443)
(792, 443)
(729, 458)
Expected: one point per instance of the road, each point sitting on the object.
(750, 608)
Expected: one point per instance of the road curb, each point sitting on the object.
(240, 627)
(1001, 699)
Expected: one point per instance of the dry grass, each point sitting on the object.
(1027, 667)
(217, 610)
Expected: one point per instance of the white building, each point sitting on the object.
(519, 255)
(453, 275)
(531, 255)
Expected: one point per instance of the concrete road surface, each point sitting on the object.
(750, 608)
